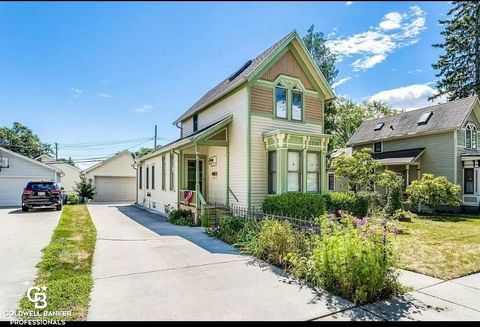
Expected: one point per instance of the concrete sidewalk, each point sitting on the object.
(147, 269)
(431, 299)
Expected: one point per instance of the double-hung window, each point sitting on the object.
(313, 172)
(281, 108)
(272, 172)
(147, 178)
(140, 178)
(468, 181)
(195, 123)
(172, 172)
(153, 177)
(163, 173)
(294, 171)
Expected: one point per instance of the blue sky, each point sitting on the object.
(92, 72)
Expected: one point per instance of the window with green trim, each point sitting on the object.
(297, 105)
(272, 172)
(313, 172)
(294, 171)
(281, 109)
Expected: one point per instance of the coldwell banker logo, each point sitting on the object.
(38, 298)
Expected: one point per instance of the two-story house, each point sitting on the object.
(440, 140)
(259, 132)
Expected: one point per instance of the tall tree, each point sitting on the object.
(21, 139)
(350, 115)
(325, 60)
(459, 66)
(143, 152)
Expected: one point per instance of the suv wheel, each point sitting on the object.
(59, 207)
(24, 209)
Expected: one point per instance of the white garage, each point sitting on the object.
(111, 188)
(16, 171)
(114, 179)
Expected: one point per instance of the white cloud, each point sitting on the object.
(373, 46)
(408, 97)
(348, 3)
(103, 95)
(144, 108)
(76, 92)
(341, 81)
(391, 21)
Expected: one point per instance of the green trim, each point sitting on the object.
(213, 143)
(227, 150)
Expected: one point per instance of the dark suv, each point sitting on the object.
(42, 194)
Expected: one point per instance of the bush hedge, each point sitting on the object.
(304, 205)
(72, 198)
(357, 205)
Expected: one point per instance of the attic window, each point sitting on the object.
(379, 126)
(424, 118)
(238, 72)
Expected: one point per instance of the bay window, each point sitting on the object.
(313, 172)
(272, 172)
(294, 171)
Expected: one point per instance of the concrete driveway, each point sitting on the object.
(147, 269)
(22, 237)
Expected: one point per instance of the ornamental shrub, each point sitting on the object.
(356, 204)
(354, 261)
(72, 198)
(301, 205)
(181, 217)
(229, 228)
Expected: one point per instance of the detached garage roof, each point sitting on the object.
(89, 169)
(33, 161)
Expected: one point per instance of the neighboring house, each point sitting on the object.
(71, 173)
(440, 140)
(16, 171)
(258, 132)
(113, 178)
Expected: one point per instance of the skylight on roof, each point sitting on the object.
(424, 118)
(379, 126)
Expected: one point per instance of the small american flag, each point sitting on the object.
(187, 196)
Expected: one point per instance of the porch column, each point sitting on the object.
(304, 170)
(180, 167)
(408, 175)
(281, 170)
(227, 155)
(197, 180)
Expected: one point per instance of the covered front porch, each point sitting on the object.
(203, 169)
(470, 179)
(405, 162)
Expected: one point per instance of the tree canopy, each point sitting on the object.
(20, 139)
(459, 66)
(143, 152)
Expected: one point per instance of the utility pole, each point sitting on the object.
(56, 151)
(155, 141)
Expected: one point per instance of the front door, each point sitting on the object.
(191, 172)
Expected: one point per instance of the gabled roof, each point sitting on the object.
(30, 160)
(446, 116)
(238, 78)
(107, 160)
(200, 134)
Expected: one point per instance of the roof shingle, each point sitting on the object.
(445, 116)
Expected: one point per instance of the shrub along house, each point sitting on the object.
(258, 132)
(440, 140)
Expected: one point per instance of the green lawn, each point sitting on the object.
(440, 246)
(66, 265)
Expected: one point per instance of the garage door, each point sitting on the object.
(115, 189)
(11, 189)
